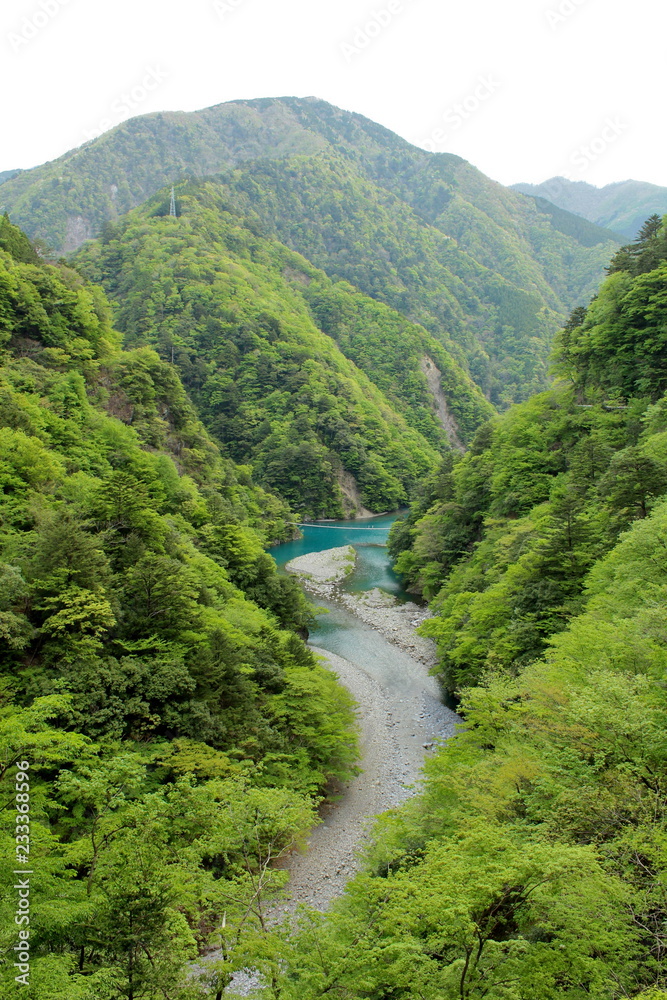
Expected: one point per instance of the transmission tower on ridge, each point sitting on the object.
(172, 206)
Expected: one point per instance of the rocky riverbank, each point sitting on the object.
(321, 574)
(400, 723)
(398, 729)
(396, 622)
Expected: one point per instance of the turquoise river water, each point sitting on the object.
(400, 708)
(369, 538)
(337, 629)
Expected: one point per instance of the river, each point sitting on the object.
(368, 536)
(401, 711)
(401, 717)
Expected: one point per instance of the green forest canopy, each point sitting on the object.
(179, 732)
(490, 273)
(305, 380)
(533, 863)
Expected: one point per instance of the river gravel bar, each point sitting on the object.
(320, 573)
(323, 569)
(396, 622)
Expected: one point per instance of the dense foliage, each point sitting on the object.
(399, 227)
(622, 206)
(177, 728)
(238, 315)
(15, 242)
(502, 540)
(618, 345)
(486, 270)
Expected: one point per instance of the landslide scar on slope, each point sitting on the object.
(447, 421)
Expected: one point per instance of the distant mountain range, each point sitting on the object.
(621, 207)
(489, 273)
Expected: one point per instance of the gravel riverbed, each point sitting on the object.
(321, 571)
(400, 724)
(398, 729)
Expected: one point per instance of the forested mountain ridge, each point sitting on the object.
(312, 383)
(428, 234)
(491, 304)
(178, 730)
(503, 540)
(6, 175)
(621, 207)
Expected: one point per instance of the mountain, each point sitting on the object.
(167, 736)
(481, 292)
(485, 270)
(532, 864)
(335, 400)
(6, 175)
(621, 207)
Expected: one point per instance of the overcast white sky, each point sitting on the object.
(524, 89)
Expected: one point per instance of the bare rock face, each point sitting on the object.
(351, 496)
(449, 425)
(78, 231)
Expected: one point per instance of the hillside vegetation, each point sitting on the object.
(502, 540)
(621, 207)
(156, 692)
(177, 729)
